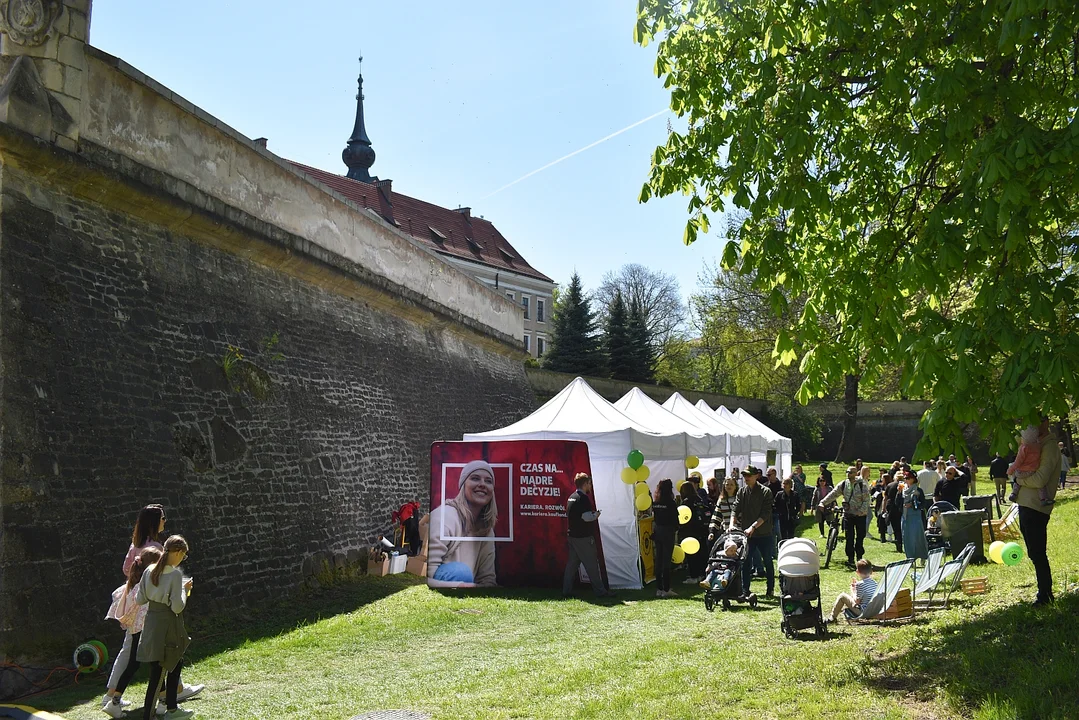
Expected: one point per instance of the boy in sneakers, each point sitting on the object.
(862, 588)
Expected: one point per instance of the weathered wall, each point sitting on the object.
(121, 291)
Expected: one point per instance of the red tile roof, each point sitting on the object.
(449, 232)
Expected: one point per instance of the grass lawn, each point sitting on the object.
(385, 643)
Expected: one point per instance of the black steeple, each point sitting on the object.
(359, 156)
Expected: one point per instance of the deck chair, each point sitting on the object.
(927, 579)
(944, 582)
(895, 574)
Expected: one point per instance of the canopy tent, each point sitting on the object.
(783, 446)
(706, 446)
(760, 446)
(739, 446)
(579, 413)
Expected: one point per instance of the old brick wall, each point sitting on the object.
(113, 395)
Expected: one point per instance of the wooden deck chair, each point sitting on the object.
(895, 574)
(946, 581)
(927, 579)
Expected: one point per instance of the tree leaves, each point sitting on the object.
(911, 169)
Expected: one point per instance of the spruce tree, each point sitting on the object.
(642, 354)
(575, 346)
(616, 341)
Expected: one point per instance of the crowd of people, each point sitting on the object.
(150, 608)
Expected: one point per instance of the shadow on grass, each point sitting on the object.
(1016, 662)
(224, 632)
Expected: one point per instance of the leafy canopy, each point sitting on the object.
(910, 169)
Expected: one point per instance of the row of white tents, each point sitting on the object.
(666, 434)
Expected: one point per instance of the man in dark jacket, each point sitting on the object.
(753, 513)
(950, 489)
(998, 471)
(789, 507)
(582, 539)
(893, 505)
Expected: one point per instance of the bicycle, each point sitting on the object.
(835, 523)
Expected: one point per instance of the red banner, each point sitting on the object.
(499, 512)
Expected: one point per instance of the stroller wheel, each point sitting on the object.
(709, 602)
(726, 604)
(822, 631)
(752, 600)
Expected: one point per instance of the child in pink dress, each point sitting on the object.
(1026, 462)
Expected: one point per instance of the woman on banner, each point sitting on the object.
(454, 558)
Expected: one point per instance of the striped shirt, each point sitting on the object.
(865, 589)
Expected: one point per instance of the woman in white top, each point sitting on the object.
(164, 637)
(472, 513)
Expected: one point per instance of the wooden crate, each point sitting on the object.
(974, 586)
(902, 606)
(378, 568)
(1007, 534)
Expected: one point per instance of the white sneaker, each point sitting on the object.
(179, 714)
(691, 581)
(106, 699)
(160, 709)
(671, 593)
(660, 594)
(112, 709)
(189, 691)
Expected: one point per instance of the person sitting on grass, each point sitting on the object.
(862, 588)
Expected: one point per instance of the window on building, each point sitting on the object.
(541, 346)
(528, 344)
(510, 296)
(525, 304)
(539, 309)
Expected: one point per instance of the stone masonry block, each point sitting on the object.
(52, 74)
(72, 52)
(79, 25)
(72, 82)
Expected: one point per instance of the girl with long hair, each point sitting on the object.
(149, 526)
(164, 636)
(131, 617)
(664, 528)
(724, 508)
(472, 513)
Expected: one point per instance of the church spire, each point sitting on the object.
(359, 155)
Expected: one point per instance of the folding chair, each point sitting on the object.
(927, 579)
(946, 581)
(895, 574)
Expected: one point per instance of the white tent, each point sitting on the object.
(739, 444)
(579, 413)
(759, 443)
(782, 445)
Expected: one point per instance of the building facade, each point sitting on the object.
(470, 243)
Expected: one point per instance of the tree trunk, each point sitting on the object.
(850, 416)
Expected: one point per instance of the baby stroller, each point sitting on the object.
(933, 537)
(799, 586)
(719, 560)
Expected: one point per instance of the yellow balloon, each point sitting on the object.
(996, 548)
(692, 461)
(629, 475)
(690, 545)
(640, 488)
(678, 555)
(684, 514)
(643, 501)
(642, 473)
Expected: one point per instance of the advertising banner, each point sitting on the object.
(498, 512)
(648, 559)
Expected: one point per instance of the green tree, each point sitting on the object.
(575, 345)
(910, 169)
(642, 355)
(616, 341)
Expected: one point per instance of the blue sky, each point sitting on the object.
(461, 99)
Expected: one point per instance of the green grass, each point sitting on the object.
(385, 643)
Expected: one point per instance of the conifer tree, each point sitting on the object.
(643, 355)
(616, 341)
(575, 346)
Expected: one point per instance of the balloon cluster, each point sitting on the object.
(1003, 553)
(689, 546)
(635, 475)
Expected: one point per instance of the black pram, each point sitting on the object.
(719, 561)
(799, 585)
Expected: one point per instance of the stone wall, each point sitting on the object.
(117, 320)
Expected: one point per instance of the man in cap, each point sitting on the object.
(753, 513)
(856, 502)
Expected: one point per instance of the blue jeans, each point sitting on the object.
(764, 546)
